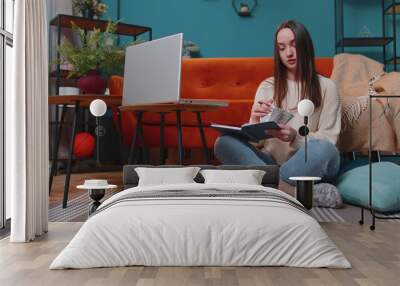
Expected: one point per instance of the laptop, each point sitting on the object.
(152, 74)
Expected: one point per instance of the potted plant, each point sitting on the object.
(93, 58)
(89, 8)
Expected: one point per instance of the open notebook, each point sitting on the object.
(257, 131)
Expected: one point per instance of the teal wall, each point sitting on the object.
(220, 32)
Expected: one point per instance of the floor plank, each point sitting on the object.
(375, 257)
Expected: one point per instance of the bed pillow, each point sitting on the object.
(166, 176)
(353, 185)
(248, 177)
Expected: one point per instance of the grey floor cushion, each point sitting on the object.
(326, 196)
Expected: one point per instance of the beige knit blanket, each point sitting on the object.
(357, 76)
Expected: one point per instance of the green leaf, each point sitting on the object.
(95, 50)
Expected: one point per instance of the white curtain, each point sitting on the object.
(27, 123)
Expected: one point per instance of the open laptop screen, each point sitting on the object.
(153, 71)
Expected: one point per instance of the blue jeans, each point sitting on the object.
(323, 158)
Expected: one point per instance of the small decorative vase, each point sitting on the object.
(87, 13)
(92, 83)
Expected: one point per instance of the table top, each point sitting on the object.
(85, 99)
(116, 101)
(170, 107)
(304, 178)
(85, 187)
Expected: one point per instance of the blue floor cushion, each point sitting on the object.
(353, 185)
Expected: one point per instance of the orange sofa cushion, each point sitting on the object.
(231, 79)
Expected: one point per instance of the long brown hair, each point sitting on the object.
(306, 75)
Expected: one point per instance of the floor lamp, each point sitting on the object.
(305, 108)
(304, 185)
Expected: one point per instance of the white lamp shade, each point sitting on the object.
(98, 107)
(305, 107)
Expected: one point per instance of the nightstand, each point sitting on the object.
(304, 190)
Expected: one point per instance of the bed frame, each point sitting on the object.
(270, 179)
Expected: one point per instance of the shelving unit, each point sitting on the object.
(384, 42)
(389, 8)
(65, 22)
(393, 9)
(58, 77)
(374, 213)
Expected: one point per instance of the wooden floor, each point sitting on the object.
(375, 257)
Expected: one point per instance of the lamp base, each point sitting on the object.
(96, 195)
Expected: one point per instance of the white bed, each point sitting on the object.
(206, 230)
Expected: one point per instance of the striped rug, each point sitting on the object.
(77, 210)
(326, 215)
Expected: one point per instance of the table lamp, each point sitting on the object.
(305, 108)
(98, 108)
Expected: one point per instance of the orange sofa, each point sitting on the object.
(231, 79)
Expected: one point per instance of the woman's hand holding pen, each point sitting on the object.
(260, 108)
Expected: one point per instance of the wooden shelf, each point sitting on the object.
(85, 99)
(170, 107)
(63, 74)
(365, 42)
(64, 81)
(393, 61)
(65, 21)
(391, 7)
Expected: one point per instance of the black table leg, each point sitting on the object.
(135, 136)
(361, 221)
(179, 129)
(203, 137)
(70, 151)
(121, 137)
(56, 122)
(144, 150)
(56, 145)
(162, 149)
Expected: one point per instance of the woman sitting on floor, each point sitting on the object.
(295, 78)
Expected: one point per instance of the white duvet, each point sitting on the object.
(200, 231)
